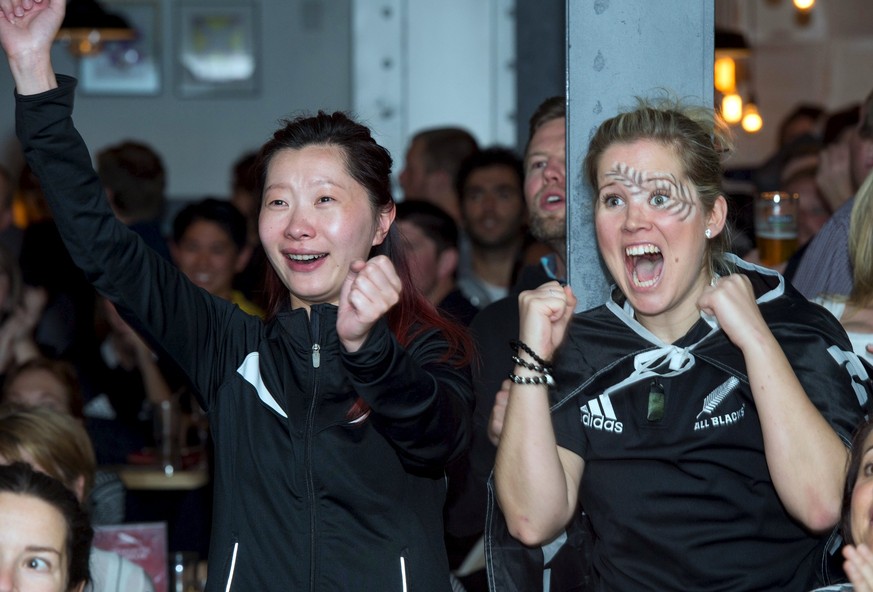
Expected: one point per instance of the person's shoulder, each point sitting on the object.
(246, 305)
(844, 212)
(833, 303)
(109, 566)
(458, 307)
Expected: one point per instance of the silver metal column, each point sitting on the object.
(617, 50)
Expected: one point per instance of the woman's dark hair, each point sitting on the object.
(217, 211)
(852, 477)
(369, 164)
(21, 479)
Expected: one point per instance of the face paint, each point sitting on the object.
(678, 198)
(650, 228)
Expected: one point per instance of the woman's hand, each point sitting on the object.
(498, 412)
(859, 567)
(27, 31)
(545, 313)
(732, 302)
(805, 456)
(17, 344)
(370, 289)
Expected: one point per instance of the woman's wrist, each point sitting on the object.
(32, 72)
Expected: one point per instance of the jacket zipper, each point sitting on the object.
(310, 420)
(232, 567)
(403, 558)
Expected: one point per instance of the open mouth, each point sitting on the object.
(552, 200)
(305, 259)
(644, 264)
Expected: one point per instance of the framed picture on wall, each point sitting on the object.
(216, 49)
(126, 67)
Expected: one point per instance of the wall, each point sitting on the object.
(825, 59)
(306, 59)
(305, 65)
(420, 64)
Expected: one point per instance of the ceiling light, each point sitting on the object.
(752, 121)
(87, 26)
(732, 108)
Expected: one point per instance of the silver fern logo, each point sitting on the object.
(706, 419)
(714, 398)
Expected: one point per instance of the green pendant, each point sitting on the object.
(657, 400)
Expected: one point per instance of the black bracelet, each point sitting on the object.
(524, 364)
(545, 379)
(517, 344)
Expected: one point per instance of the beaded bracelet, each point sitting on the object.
(545, 379)
(524, 364)
(517, 344)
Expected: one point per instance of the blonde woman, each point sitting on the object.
(700, 417)
(856, 311)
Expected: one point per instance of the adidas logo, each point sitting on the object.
(598, 414)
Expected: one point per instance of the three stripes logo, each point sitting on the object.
(598, 414)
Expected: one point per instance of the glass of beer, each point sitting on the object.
(776, 226)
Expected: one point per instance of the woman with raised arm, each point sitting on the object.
(701, 417)
(334, 419)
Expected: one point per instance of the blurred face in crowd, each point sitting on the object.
(861, 149)
(315, 221)
(427, 265)
(544, 182)
(812, 210)
(33, 548)
(38, 387)
(210, 258)
(492, 206)
(413, 177)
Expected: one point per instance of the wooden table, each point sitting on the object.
(147, 477)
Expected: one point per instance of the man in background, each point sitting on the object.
(210, 247)
(134, 179)
(497, 324)
(432, 254)
(825, 267)
(494, 216)
(431, 165)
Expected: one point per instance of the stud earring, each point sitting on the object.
(707, 233)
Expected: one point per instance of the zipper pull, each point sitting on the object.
(316, 355)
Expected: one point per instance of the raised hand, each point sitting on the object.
(370, 289)
(27, 31)
(17, 344)
(732, 302)
(544, 314)
(859, 567)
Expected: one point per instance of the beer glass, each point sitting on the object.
(776, 226)
(167, 435)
